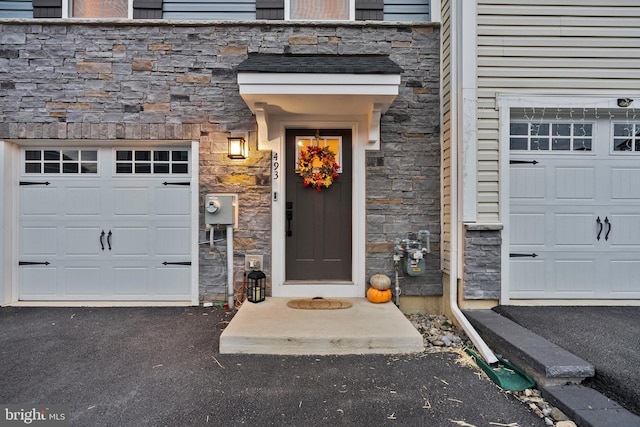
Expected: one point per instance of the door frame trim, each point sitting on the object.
(355, 288)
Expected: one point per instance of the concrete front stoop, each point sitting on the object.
(271, 327)
(557, 372)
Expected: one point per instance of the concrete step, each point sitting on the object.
(589, 408)
(271, 327)
(547, 363)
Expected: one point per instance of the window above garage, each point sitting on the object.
(97, 9)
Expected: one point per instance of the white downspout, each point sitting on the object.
(486, 353)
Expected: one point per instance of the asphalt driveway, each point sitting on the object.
(606, 337)
(161, 367)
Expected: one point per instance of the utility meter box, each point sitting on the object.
(221, 209)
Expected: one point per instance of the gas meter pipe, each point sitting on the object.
(230, 286)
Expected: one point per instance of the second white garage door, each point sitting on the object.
(105, 224)
(574, 222)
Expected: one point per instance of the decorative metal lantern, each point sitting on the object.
(256, 286)
(238, 148)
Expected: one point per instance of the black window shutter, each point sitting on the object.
(369, 10)
(147, 9)
(270, 9)
(47, 8)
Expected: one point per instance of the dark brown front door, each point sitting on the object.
(318, 242)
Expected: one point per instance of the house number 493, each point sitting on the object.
(276, 166)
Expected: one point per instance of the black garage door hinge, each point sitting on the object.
(523, 162)
(34, 183)
(532, 255)
(176, 183)
(177, 263)
(33, 263)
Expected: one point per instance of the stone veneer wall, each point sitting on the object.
(482, 261)
(160, 80)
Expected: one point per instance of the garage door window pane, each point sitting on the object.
(89, 168)
(32, 155)
(51, 155)
(626, 137)
(180, 156)
(161, 168)
(124, 168)
(143, 167)
(61, 161)
(69, 168)
(545, 136)
(161, 156)
(160, 162)
(124, 155)
(52, 168)
(33, 168)
(143, 156)
(89, 155)
(179, 168)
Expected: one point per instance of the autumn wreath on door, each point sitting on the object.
(317, 166)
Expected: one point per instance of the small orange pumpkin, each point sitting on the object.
(379, 296)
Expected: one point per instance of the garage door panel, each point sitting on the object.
(577, 183)
(527, 183)
(625, 231)
(172, 241)
(180, 199)
(625, 184)
(576, 230)
(82, 281)
(83, 241)
(171, 281)
(131, 241)
(527, 229)
(84, 201)
(38, 201)
(624, 277)
(574, 277)
(131, 281)
(38, 282)
(527, 277)
(38, 241)
(131, 201)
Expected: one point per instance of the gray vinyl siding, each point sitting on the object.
(239, 10)
(407, 10)
(16, 9)
(446, 135)
(552, 47)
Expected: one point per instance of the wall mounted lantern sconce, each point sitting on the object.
(624, 102)
(238, 148)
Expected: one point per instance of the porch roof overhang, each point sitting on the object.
(319, 85)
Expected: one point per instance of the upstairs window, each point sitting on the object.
(99, 8)
(325, 10)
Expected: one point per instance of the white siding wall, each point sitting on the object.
(584, 47)
(446, 135)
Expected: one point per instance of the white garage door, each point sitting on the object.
(105, 224)
(574, 224)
